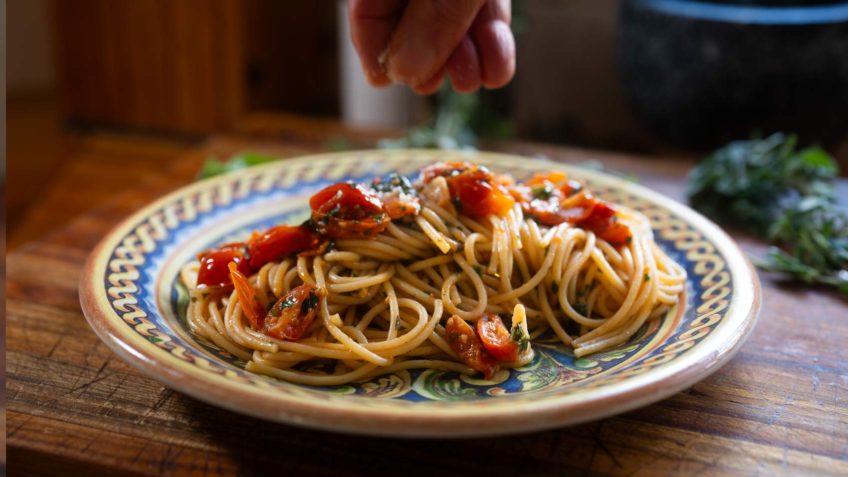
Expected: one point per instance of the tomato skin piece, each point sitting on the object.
(279, 242)
(479, 195)
(446, 169)
(496, 338)
(250, 304)
(291, 315)
(467, 345)
(348, 211)
(214, 272)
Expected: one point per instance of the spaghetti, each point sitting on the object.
(459, 272)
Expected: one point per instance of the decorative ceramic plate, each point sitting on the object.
(131, 295)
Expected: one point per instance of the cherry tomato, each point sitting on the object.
(250, 304)
(478, 195)
(292, 315)
(465, 343)
(348, 211)
(496, 338)
(213, 271)
(617, 234)
(555, 211)
(279, 242)
(602, 221)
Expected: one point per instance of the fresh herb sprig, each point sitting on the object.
(782, 194)
(214, 167)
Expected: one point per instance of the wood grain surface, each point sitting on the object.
(780, 407)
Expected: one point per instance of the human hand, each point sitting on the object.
(417, 42)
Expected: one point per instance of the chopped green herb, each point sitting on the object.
(310, 303)
(288, 302)
(580, 308)
(331, 245)
(457, 204)
(520, 337)
(478, 269)
(647, 278)
(395, 182)
(542, 192)
(554, 288)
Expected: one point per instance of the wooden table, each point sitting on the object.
(780, 407)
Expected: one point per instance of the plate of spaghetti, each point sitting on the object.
(421, 293)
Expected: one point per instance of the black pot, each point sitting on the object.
(702, 73)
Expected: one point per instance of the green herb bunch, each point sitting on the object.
(785, 195)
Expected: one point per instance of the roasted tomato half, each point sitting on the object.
(348, 211)
(279, 242)
(475, 191)
(603, 221)
(291, 315)
(214, 272)
(465, 343)
(496, 338)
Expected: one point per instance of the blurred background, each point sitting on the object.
(654, 77)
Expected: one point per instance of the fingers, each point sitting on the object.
(417, 41)
(371, 25)
(495, 43)
(428, 33)
(432, 85)
(464, 67)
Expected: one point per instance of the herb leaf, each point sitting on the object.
(786, 196)
(214, 167)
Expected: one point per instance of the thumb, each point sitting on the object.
(426, 36)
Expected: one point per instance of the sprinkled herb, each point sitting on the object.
(378, 217)
(393, 183)
(288, 302)
(310, 303)
(519, 337)
(478, 269)
(647, 278)
(580, 308)
(457, 204)
(554, 288)
(542, 192)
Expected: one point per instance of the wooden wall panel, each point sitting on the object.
(155, 64)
